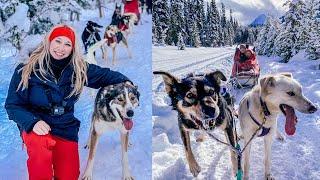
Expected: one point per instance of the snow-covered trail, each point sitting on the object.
(168, 155)
(108, 157)
(183, 62)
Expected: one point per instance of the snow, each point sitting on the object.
(295, 158)
(108, 157)
(19, 18)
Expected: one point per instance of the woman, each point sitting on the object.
(41, 99)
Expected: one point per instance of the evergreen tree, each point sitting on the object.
(200, 18)
(160, 17)
(187, 21)
(287, 44)
(213, 20)
(263, 37)
(177, 20)
(313, 44)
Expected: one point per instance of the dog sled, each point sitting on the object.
(245, 70)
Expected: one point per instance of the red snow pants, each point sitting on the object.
(51, 157)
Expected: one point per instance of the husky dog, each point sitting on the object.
(113, 110)
(90, 34)
(90, 56)
(130, 19)
(114, 36)
(274, 94)
(200, 106)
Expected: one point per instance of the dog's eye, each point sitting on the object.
(207, 102)
(132, 98)
(211, 91)
(290, 93)
(190, 96)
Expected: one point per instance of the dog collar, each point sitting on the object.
(265, 130)
(265, 109)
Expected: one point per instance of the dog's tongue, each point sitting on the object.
(128, 123)
(291, 120)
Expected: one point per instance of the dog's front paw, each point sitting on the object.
(195, 169)
(269, 177)
(87, 176)
(128, 178)
(280, 137)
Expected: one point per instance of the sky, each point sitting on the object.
(247, 10)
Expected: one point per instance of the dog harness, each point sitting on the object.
(266, 112)
(123, 27)
(111, 39)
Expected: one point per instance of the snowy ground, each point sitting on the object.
(108, 158)
(296, 158)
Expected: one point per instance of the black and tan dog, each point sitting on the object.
(90, 34)
(200, 106)
(113, 110)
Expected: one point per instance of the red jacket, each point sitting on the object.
(131, 6)
(248, 64)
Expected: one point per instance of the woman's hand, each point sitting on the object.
(41, 128)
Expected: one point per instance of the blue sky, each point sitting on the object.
(247, 10)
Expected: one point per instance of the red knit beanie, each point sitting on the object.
(63, 31)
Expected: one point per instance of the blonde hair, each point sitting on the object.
(38, 63)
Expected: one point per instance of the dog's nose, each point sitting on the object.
(130, 113)
(312, 109)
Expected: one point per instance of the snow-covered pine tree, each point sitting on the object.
(272, 35)
(195, 37)
(313, 45)
(187, 21)
(160, 16)
(200, 18)
(263, 37)
(302, 16)
(176, 22)
(287, 41)
(207, 25)
(212, 25)
(223, 16)
(230, 30)
(224, 29)
(181, 45)
(13, 30)
(215, 24)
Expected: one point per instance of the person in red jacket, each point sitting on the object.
(239, 57)
(132, 6)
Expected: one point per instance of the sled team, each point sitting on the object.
(203, 104)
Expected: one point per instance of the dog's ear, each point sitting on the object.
(286, 74)
(216, 76)
(169, 81)
(266, 83)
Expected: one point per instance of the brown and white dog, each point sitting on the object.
(274, 94)
(113, 110)
(114, 36)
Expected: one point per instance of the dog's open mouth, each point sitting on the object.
(291, 119)
(127, 122)
(197, 121)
